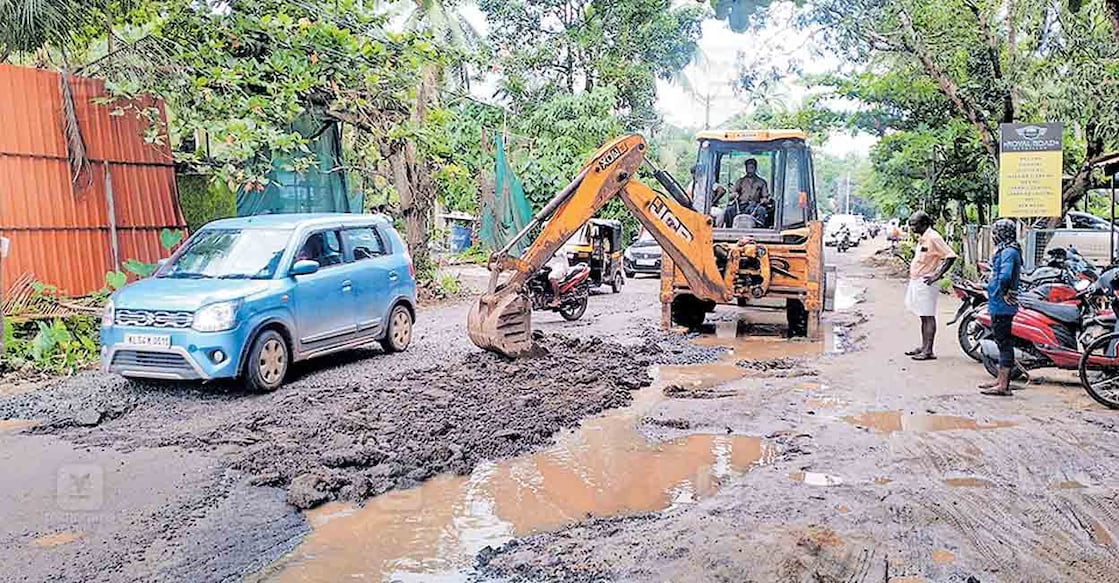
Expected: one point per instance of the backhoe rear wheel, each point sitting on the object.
(688, 311)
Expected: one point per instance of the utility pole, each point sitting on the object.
(847, 189)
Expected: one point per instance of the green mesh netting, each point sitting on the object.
(319, 190)
(509, 210)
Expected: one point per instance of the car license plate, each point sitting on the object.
(157, 340)
(646, 262)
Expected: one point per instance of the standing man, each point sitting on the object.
(1002, 291)
(931, 260)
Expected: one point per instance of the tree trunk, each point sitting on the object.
(412, 177)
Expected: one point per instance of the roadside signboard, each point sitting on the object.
(1030, 170)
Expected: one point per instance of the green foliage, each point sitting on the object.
(168, 239)
(57, 347)
(204, 199)
(548, 47)
(115, 280)
(448, 284)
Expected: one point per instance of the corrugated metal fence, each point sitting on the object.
(70, 235)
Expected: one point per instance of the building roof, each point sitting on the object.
(751, 135)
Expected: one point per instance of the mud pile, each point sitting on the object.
(362, 429)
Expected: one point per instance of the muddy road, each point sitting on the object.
(622, 454)
(106, 479)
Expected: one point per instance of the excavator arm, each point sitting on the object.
(501, 320)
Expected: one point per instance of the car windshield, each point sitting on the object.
(230, 254)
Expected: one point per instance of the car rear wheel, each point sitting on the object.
(268, 362)
(399, 335)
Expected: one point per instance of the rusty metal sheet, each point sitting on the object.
(61, 233)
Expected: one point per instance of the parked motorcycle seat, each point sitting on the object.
(1066, 313)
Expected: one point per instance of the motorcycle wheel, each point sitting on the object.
(1101, 384)
(969, 332)
(618, 282)
(572, 311)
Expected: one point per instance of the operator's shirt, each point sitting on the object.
(751, 188)
(931, 250)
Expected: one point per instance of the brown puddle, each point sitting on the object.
(701, 377)
(604, 468)
(1067, 485)
(943, 557)
(56, 540)
(1099, 534)
(17, 425)
(743, 345)
(893, 421)
(882, 480)
(968, 482)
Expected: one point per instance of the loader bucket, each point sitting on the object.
(502, 324)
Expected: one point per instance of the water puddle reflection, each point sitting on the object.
(17, 425)
(816, 479)
(969, 482)
(56, 540)
(748, 341)
(887, 422)
(604, 468)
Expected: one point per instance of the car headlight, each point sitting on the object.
(108, 315)
(216, 317)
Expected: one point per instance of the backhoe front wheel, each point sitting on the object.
(688, 311)
(797, 317)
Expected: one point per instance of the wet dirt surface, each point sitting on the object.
(604, 468)
(749, 457)
(886, 470)
(161, 466)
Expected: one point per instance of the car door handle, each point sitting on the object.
(347, 285)
(393, 276)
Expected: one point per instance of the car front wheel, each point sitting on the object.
(399, 335)
(268, 362)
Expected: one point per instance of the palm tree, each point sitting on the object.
(29, 25)
(450, 28)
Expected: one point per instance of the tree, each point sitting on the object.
(547, 47)
(29, 25)
(244, 74)
(992, 62)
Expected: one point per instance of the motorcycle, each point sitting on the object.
(575, 291)
(1051, 334)
(1053, 282)
(844, 242)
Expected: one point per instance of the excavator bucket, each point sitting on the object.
(502, 324)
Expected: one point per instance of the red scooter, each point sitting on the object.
(1051, 334)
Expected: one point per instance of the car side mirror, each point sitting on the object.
(304, 267)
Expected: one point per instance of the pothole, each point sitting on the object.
(604, 468)
(887, 422)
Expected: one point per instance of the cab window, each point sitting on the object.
(364, 243)
(325, 247)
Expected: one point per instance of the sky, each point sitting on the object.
(713, 72)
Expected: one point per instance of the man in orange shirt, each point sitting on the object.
(931, 260)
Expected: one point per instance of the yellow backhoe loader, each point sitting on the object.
(710, 272)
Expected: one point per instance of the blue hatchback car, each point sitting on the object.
(246, 297)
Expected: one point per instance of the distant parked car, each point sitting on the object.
(1088, 234)
(643, 256)
(244, 298)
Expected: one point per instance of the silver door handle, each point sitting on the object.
(347, 285)
(393, 275)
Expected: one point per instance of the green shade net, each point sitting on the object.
(508, 212)
(321, 189)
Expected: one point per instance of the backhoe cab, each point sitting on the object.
(736, 172)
